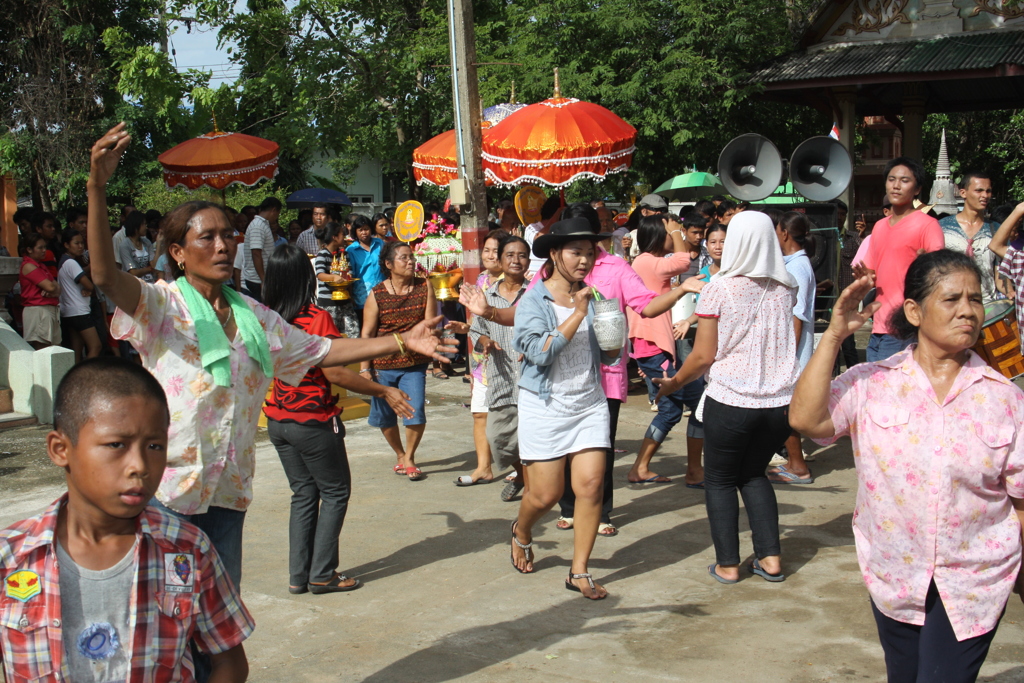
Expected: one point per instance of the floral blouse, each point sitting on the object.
(935, 482)
(211, 443)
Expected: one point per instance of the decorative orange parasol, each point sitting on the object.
(434, 161)
(219, 159)
(556, 142)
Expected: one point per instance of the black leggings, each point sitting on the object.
(738, 443)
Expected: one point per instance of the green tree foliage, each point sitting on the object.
(990, 141)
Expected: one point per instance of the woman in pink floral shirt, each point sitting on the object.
(940, 465)
(214, 351)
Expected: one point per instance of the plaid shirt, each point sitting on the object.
(180, 592)
(1012, 267)
(307, 241)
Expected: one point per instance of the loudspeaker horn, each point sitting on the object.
(750, 167)
(820, 168)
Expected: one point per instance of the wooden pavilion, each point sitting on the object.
(898, 60)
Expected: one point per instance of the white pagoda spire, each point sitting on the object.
(943, 195)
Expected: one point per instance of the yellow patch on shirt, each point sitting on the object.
(23, 585)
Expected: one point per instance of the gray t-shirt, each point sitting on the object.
(95, 609)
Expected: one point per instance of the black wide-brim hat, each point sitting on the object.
(563, 232)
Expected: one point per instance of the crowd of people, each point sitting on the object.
(720, 318)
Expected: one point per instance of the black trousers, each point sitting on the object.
(738, 443)
(568, 501)
(849, 350)
(316, 464)
(930, 653)
(255, 289)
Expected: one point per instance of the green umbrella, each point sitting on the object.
(785, 194)
(690, 187)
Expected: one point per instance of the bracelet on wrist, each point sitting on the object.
(402, 351)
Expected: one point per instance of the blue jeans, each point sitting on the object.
(882, 346)
(413, 381)
(670, 408)
(224, 528)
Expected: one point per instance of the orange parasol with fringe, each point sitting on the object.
(556, 142)
(219, 159)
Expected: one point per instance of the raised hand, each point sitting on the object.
(846, 319)
(457, 327)
(472, 297)
(106, 154)
(426, 339)
(680, 329)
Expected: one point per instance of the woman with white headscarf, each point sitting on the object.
(746, 344)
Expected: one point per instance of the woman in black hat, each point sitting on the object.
(562, 408)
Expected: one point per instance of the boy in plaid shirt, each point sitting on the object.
(101, 587)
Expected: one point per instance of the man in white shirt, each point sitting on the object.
(259, 242)
(549, 214)
(119, 235)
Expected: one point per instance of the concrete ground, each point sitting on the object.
(442, 603)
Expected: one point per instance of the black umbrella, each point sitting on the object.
(311, 196)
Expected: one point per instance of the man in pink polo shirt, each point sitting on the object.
(615, 279)
(895, 242)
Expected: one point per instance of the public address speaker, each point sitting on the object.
(751, 168)
(820, 168)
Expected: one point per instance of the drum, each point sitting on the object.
(999, 343)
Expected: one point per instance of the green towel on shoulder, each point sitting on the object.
(214, 346)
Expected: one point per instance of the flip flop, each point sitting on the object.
(656, 479)
(438, 374)
(756, 568)
(510, 491)
(468, 480)
(698, 485)
(719, 579)
(414, 473)
(783, 476)
(567, 521)
(605, 529)
(399, 469)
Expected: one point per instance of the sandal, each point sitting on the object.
(590, 579)
(438, 373)
(511, 490)
(756, 568)
(527, 547)
(399, 469)
(334, 585)
(605, 529)
(414, 473)
(564, 523)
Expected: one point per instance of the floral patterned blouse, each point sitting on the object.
(211, 451)
(935, 482)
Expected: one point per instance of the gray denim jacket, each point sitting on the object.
(535, 322)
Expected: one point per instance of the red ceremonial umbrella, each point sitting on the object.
(219, 159)
(557, 141)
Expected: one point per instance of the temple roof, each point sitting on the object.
(957, 71)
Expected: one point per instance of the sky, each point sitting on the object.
(198, 50)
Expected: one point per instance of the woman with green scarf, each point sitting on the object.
(214, 351)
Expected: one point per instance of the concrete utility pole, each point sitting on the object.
(472, 195)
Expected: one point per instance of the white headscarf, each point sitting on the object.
(752, 249)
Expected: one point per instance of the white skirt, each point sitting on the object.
(546, 435)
